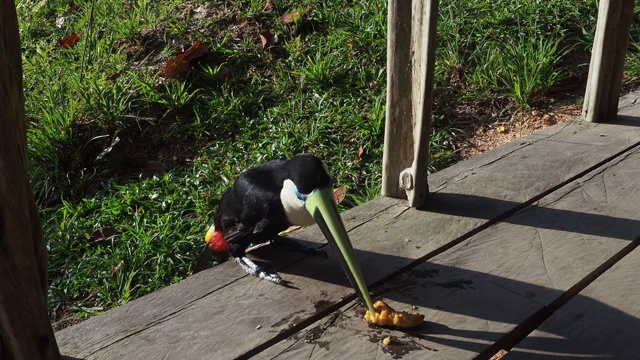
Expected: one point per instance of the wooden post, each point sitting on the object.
(607, 60)
(25, 331)
(411, 43)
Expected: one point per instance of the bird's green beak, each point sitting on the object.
(322, 206)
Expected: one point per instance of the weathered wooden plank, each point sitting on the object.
(244, 314)
(483, 288)
(531, 164)
(101, 331)
(411, 63)
(602, 322)
(459, 307)
(607, 60)
(468, 196)
(320, 285)
(398, 131)
(425, 18)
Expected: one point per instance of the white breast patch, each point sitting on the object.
(294, 208)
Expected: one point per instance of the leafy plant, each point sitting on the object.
(174, 95)
(112, 102)
(530, 65)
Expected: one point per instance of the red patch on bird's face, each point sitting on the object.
(217, 243)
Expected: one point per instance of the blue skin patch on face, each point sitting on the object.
(300, 195)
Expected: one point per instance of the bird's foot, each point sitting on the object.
(293, 245)
(254, 269)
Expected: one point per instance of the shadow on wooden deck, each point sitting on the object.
(530, 248)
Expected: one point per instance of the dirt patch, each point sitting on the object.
(485, 134)
(482, 127)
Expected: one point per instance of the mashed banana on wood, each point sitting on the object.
(387, 341)
(386, 316)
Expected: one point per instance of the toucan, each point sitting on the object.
(268, 199)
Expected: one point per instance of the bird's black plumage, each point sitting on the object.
(251, 210)
(266, 200)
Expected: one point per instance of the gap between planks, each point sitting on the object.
(620, 155)
(453, 177)
(627, 232)
(522, 330)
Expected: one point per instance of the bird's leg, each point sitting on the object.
(238, 251)
(254, 269)
(292, 244)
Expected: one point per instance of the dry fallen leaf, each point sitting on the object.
(360, 151)
(115, 270)
(501, 129)
(268, 39)
(351, 44)
(180, 63)
(108, 149)
(339, 194)
(68, 41)
(294, 16)
(268, 6)
(102, 235)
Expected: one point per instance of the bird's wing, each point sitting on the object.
(249, 206)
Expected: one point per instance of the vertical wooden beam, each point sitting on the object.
(25, 331)
(411, 40)
(607, 60)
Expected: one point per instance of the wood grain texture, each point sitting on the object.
(424, 28)
(88, 337)
(390, 239)
(480, 290)
(398, 131)
(607, 60)
(602, 322)
(25, 332)
(411, 63)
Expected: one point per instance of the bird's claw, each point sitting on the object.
(256, 270)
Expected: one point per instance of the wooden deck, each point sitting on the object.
(530, 247)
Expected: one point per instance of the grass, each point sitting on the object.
(115, 144)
